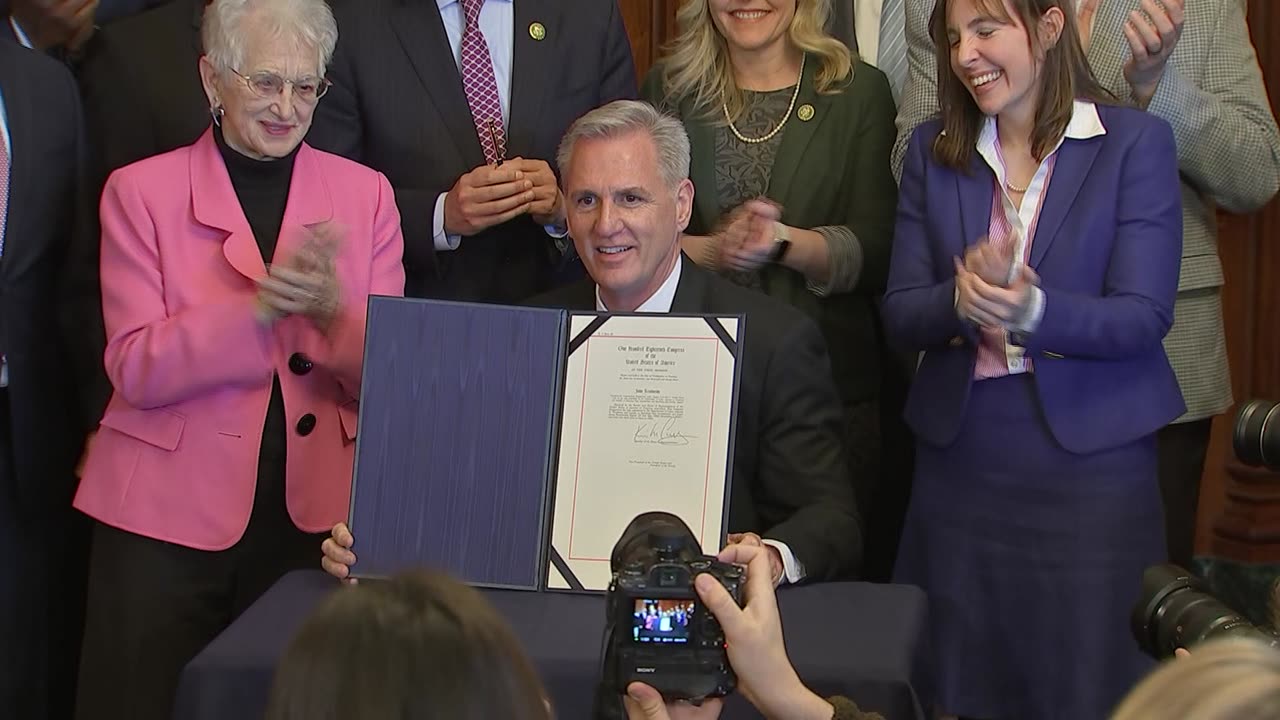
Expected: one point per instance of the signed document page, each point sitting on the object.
(646, 425)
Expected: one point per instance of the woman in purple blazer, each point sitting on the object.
(1034, 266)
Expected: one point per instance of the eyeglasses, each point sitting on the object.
(269, 85)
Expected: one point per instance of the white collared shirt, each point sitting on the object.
(661, 299)
(1084, 124)
(660, 302)
(866, 28)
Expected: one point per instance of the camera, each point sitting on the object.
(1256, 438)
(1176, 611)
(658, 632)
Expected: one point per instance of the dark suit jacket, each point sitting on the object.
(397, 105)
(141, 83)
(830, 170)
(790, 480)
(50, 315)
(1107, 248)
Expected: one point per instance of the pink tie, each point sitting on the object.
(480, 86)
(4, 192)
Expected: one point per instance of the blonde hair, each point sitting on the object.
(697, 65)
(1229, 679)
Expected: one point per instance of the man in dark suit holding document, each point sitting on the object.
(628, 198)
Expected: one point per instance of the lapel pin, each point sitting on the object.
(805, 113)
(537, 31)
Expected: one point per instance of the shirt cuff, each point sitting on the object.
(792, 570)
(1031, 317)
(443, 241)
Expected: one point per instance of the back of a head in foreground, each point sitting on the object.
(420, 646)
(1231, 679)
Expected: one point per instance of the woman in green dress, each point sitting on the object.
(791, 136)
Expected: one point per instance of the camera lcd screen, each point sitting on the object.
(661, 621)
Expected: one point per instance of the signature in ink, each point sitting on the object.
(660, 432)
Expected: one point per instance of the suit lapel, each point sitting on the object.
(532, 62)
(799, 132)
(1075, 158)
(23, 162)
(691, 289)
(309, 203)
(976, 190)
(421, 32)
(214, 203)
(702, 168)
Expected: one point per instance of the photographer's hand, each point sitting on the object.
(753, 635)
(645, 703)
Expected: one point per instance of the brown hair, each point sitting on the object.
(420, 646)
(1064, 77)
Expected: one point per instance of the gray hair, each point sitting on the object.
(309, 22)
(622, 117)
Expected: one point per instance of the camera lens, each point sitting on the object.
(1176, 612)
(1257, 434)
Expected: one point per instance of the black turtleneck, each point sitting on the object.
(262, 186)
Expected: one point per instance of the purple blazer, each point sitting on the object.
(1107, 248)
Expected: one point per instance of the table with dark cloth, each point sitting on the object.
(866, 642)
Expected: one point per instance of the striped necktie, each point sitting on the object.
(891, 56)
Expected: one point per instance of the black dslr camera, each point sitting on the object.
(657, 631)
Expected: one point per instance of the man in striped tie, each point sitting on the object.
(460, 103)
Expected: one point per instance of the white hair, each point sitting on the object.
(308, 22)
(622, 117)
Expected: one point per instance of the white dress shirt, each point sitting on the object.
(660, 302)
(1084, 124)
(866, 27)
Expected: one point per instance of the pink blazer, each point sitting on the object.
(176, 455)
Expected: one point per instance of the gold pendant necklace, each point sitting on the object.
(753, 141)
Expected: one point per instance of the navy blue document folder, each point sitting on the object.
(456, 442)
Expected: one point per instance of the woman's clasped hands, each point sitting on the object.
(991, 290)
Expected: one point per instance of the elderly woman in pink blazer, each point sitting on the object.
(235, 275)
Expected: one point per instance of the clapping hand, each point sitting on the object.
(307, 284)
(1152, 33)
(990, 263)
(747, 240)
(993, 305)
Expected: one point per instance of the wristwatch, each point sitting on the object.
(781, 242)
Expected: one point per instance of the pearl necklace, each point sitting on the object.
(1015, 188)
(753, 141)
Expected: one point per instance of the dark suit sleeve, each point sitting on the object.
(80, 300)
(618, 77)
(803, 479)
(872, 191)
(919, 312)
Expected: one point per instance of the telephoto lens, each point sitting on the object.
(1175, 611)
(1257, 434)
